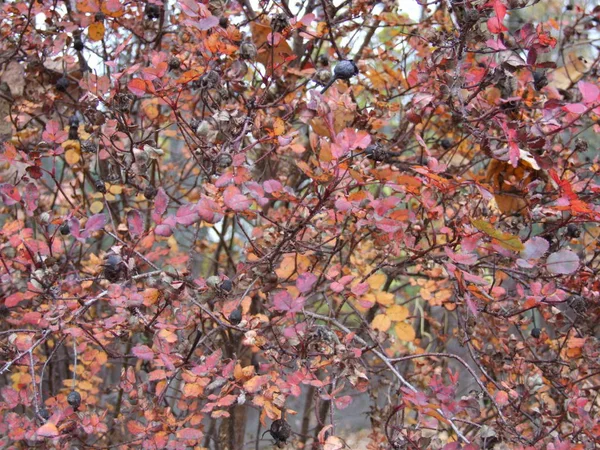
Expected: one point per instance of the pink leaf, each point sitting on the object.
(589, 91)
(272, 186)
(562, 262)
(53, 133)
(208, 23)
(94, 223)
(187, 215)
(535, 248)
(31, 198)
(143, 352)
(135, 222)
(160, 203)
(235, 200)
(209, 210)
(495, 25)
(305, 282)
(283, 301)
(575, 108)
(164, 230)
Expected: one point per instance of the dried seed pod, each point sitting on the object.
(279, 22)
(323, 76)
(224, 160)
(209, 80)
(89, 146)
(74, 399)
(248, 51)
(376, 152)
(236, 316)
(152, 11)
(114, 267)
(123, 101)
(280, 431)
(174, 63)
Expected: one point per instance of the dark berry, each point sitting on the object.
(73, 133)
(99, 16)
(62, 84)
(78, 44)
(74, 399)
(236, 316)
(226, 286)
(344, 70)
(150, 192)
(223, 22)
(539, 80)
(174, 63)
(573, 231)
(44, 414)
(4, 311)
(446, 143)
(65, 228)
(536, 333)
(152, 11)
(100, 187)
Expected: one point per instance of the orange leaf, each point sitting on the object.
(96, 31)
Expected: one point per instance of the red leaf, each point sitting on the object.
(137, 86)
(343, 402)
(228, 400)
(10, 195)
(189, 434)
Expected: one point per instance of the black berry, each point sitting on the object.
(65, 229)
(236, 316)
(536, 333)
(74, 399)
(62, 84)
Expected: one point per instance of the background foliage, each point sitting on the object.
(198, 245)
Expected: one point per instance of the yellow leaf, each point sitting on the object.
(276, 128)
(96, 207)
(151, 110)
(397, 313)
(72, 157)
(381, 322)
(167, 335)
(405, 331)
(385, 298)
(376, 281)
(116, 189)
(96, 31)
